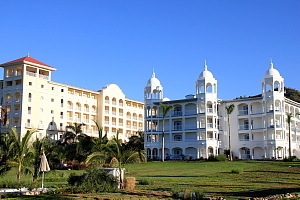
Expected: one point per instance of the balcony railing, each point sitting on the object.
(177, 128)
(30, 73)
(176, 113)
(243, 112)
(210, 125)
(43, 77)
(190, 127)
(272, 125)
(256, 111)
(190, 112)
(210, 110)
(244, 127)
(257, 126)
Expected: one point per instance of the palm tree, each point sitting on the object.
(164, 109)
(20, 149)
(114, 152)
(229, 110)
(136, 143)
(5, 152)
(73, 132)
(289, 120)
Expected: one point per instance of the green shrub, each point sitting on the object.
(212, 158)
(146, 182)
(221, 157)
(93, 180)
(290, 159)
(237, 171)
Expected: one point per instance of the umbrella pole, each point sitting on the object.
(43, 180)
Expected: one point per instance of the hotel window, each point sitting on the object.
(52, 100)
(30, 83)
(42, 86)
(62, 90)
(29, 110)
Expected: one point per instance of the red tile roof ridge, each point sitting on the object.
(28, 59)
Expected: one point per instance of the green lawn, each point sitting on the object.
(258, 179)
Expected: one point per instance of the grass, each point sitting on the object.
(257, 179)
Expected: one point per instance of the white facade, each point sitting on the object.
(32, 100)
(198, 126)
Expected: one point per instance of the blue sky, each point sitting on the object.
(93, 43)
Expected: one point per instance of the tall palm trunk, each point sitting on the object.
(163, 141)
(229, 139)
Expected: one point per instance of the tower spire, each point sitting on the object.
(205, 66)
(28, 54)
(153, 73)
(271, 64)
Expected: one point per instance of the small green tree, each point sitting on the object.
(116, 152)
(20, 150)
(229, 110)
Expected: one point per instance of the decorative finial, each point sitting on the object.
(28, 54)
(205, 66)
(153, 74)
(271, 64)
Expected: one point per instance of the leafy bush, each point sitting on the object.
(291, 159)
(237, 171)
(93, 180)
(212, 158)
(146, 182)
(221, 157)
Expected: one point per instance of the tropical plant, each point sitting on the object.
(229, 110)
(20, 150)
(136, 143)
(73, 132)
(94, 180)
(289, 120)
(115, 153)
(5, 149)
(164, 110)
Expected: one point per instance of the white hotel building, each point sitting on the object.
(198, 125)
(32, 100)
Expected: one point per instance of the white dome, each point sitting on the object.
(206, 73)
(153, 82)
(272, 72)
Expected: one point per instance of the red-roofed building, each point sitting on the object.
(32, 100)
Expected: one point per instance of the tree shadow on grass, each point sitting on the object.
(260, 193)
(174, 176)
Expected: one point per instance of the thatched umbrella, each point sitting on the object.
(44, 167)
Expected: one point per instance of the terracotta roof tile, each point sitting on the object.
(29, 59)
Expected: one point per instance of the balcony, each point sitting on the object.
(177, 128)
(272, 125)
(28, 125)
(41, 126)
(190, 112)
(190, 127)
(176, 113)
(30, 74)
(257, 126)
(210, 110)
(243, 112)
(43, 77)
(256, 111)
(210, 125)
(244, 127)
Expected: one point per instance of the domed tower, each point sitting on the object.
(272, 89)
(273, 104)
(207, 101)
(153, 89)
